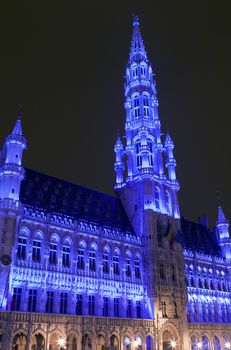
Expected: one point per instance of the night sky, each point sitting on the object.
(65, 62)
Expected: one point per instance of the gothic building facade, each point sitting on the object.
(84, 270)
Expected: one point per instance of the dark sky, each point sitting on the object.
(65, 62)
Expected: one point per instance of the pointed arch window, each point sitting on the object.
(150, 149)
(146, 106)
(128, 265)
(134, 71)
(36, 251)
(168, 202)
(116, 269)
(53, 253)
(138, 154)
(143, 70)
(137, 267)
(92, 260)
(80, 260)
(66, 255)
(21, 250)
(157, 198)
(105, 261)
(136, 105)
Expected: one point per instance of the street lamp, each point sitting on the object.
(173, 344)
(228, 345)
(199, 345)
(62, 343)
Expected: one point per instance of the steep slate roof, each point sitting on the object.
(197, 237)
(59, 196)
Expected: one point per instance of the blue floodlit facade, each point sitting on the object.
(84, 270)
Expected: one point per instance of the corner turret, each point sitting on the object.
(11, 170)
(222, 226)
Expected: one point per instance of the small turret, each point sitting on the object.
(170, 161)
(11, 171)
(119, 164)
(223, 231)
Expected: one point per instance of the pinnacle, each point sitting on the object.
(221, 216)
(137, 51)
(17, 128)
(168, 140)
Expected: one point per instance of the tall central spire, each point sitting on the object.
(146, 156)
(137, 51)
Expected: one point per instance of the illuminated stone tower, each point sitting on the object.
(11, 175)
(223, 232)
(147, 186)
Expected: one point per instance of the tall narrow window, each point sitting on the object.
(129, 308)
(116, 307)
(105, 306)
(116, 270)
(134, 71)
(128, 266)
(105, 263)
(66, 256)
(137, 268)
(150, 149)
(50, 302)
(53, 254)
(91, 305)
(79, 304)
(80, 261)
(136, 104)
(36, 251)
(146, 106)
(138, 309)
(21, 250)
(157, 198)
(164, 309)
(63, 303)
(16, 299)
(143, 71)
(138, 154)
(175, 309)
(167, 201)
(161, 267)
(32, 300)
(92, 262)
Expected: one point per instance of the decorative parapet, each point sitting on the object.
(21, 317)
(8, 203)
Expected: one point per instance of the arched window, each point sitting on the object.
(216, 343)
(138, 154)
(127, 343)
(36, 247)
(136, 106)
(128, 264)
(92, 259)
(137, 267)
(168, 202)
(146, 106)
(157, 198)
(53, 255)
(150, 149)
(116, 269)
(66, 254)
(105, 261)
(143, 70)
(134, 71)
(205, 343)
(21, 249)
(81, 260)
